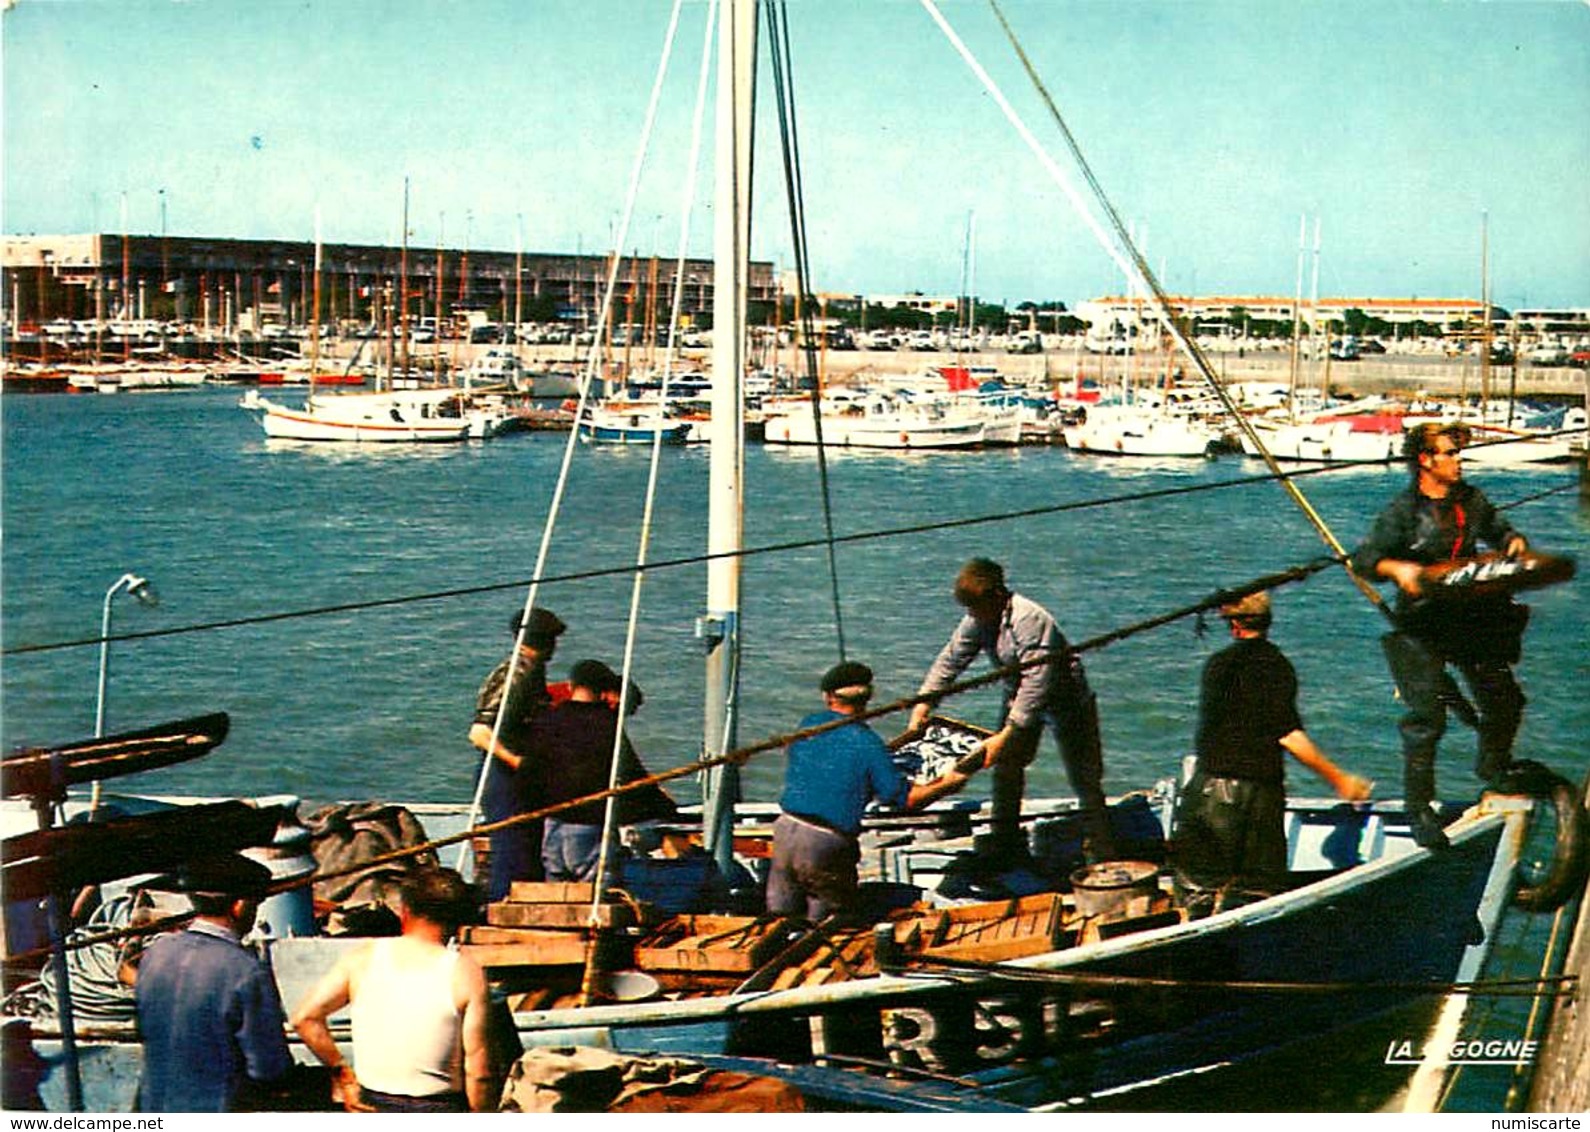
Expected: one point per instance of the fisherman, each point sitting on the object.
(1442, 518)
(572, 747)
(828, 781)
(417, 1007)
(1049, 687)
(208, 1010)
(515, 850)
(1230, 821)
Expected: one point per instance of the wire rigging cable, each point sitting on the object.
(687, 201)
(587, 381)
(749, 552)
(1126, 254)
(784, 88)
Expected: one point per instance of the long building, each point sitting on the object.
(227, 283)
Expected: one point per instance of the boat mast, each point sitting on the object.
(720, 628)
(403, 284)
(1485, 316)
(314, 327)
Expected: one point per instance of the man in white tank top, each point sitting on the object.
(418, 1010)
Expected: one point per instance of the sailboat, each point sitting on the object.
(1061, 995)
(391, 416)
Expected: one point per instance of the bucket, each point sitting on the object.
(289, 858)
(627, 986)
(1108, 886)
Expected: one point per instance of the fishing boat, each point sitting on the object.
(608, 424)
(981, 982)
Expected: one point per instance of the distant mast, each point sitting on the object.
(314, 327)
(726, 513)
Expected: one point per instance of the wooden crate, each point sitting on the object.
(508, 947)
(572, 917)
(711, 943)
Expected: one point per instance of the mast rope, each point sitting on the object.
(744, 754)
(784, 88)
(750, 552)
(587, 380)
(631, 629)
(1133, 262)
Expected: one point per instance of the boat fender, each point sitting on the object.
(1570, 856)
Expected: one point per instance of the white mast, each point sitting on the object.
(726, 515)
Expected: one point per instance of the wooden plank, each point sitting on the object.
(39, 771)
(483, 933)
(571, 916)
(522, 947)
(70, 856)
(550, 892)
(711, 943)
(992, 951)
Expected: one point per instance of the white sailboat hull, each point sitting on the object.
(891, 432)
(363, 418)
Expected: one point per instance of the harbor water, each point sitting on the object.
(345, 602)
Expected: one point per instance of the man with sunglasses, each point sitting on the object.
(1442, 518)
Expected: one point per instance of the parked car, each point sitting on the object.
(1548, 354)
(1345, 350)
(1579, 359)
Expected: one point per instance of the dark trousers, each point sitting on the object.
(1076, 730)
(1419, 669)
(1229, 831)
(396, 1102)
(814, 870)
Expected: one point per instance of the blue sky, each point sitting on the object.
(1214, 126)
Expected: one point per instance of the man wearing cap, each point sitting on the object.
(572, 755)
(828, 780)
(515, 850)
(1045, 684)
(1441, 518)
(208, 1011)
(1230, 821)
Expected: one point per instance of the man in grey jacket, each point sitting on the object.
(1045, 684)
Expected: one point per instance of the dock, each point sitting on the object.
(1562, 1076)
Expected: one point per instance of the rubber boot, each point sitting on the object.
(1419, 793)
(1006, 842)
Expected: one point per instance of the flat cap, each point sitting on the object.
(543, 626)
(227, 875)
(848, 680)
(595, 675)
(1256, 604)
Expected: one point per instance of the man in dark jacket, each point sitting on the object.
(570, 757)
(1230, 821)
(521, 679)
(208, 1010)
(1441, 518)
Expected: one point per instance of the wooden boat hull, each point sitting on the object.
(1086, 1024)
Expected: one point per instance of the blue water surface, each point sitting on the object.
(376, 702)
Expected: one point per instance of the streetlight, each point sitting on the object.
(140, 588)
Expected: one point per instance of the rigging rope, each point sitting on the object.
(784, 88)
(750, 552)
(609, 810)
(744, 754)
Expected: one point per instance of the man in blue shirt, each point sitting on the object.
(828, 782)
(208, 1010)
